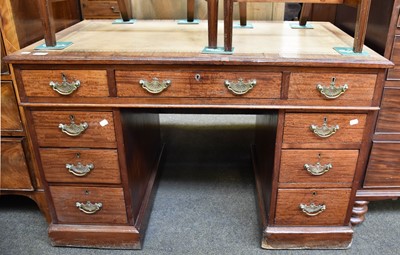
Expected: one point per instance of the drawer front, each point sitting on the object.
(14, 170)
(200, 84)
(10, 119)
(318, 166)
(349, 89)
(51, 83)
(80, 165)
(100, 9)
(309, 128)
(290, 201)
(112, 209)
(384, 166)
(97, 134)
(394, 73)
(389, 115)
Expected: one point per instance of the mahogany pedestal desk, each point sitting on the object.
(93, 109)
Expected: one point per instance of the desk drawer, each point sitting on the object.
(100, 9)
(389, 115)
(14, 173)
(107, 204)
(80, 165)
(77, 83)
(384, 165)
(330, 207)
(310, 128)
(10, 119)
(199, 84)
(301, 166)
(360, 88)
(91, 129)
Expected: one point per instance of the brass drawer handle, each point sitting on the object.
(114, 10)
(73, 129)
(332, 91)
(65, 88)
(88, 207)
(312, 209)
(318, 169)
(324, 131)
(155, 86)
(240, 87)
(79, 169)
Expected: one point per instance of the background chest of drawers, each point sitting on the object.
(21, 26)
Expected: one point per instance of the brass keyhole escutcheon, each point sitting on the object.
(87, 192)
(314, 193)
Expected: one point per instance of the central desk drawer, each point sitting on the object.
(312, 207)
(80, 165)
(89, 204)
(328, 128)
(198, 84)
(333, 88)
(74, 129)
(65, 83)
(318, 166)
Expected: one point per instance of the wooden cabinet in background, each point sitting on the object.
(21, 25)
(100, 9)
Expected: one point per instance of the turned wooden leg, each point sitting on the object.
(125, 9)
(363, 7)
(243, 13)
(212, 9)
(359, 210)
(305, 14)
(228, 24)
(190, 10)
(46, 16)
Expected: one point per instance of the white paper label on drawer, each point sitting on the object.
(353, 122)
(103, 123)
(40, 54)
(25, 52)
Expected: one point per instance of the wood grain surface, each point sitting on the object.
(342, 172)
(49, 134)
(113, 210)
(208, 84)
(360, 87)
(10, 119)
(14, 168)
(93, 83)
(288, 211)
(106, 167)
(389, 115)
(383, 167)
(297, 128)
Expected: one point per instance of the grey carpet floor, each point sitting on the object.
(205, 202)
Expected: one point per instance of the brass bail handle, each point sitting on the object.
(324, 131)
(73, 129)
(332, 91)
(240, 87)
(65, 88)
(155, 86)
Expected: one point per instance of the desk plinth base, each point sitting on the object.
(112, 237)
(307, 238)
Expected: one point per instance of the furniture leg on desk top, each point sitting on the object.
(362, 18)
